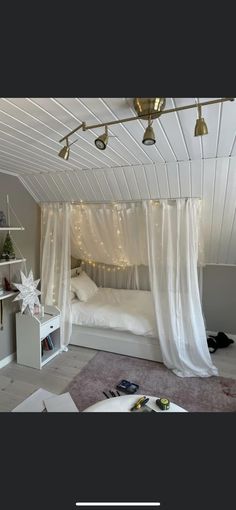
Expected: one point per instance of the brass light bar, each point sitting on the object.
(128, 119)
(74, 131)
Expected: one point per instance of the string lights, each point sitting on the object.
(105, 267)
(80, 212)
(118, 259)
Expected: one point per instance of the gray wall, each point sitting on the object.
(28, 212)
(219, 298)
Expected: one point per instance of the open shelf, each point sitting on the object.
(7, 293)
(11, 228)
(14, 261)
(48, 355)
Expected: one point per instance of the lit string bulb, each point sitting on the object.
(106, 267)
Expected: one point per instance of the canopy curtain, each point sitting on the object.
(163, 235)
(55, 262)
(173, 241)
(111, 241)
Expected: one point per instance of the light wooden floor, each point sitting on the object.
(18, 382)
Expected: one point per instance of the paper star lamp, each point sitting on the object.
(28, 292)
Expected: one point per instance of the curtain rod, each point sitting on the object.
(80, 202)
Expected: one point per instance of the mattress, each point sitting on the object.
(119, 309)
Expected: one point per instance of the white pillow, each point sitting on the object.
(72, 295)
(83, 286)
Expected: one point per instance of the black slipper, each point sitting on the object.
(212, 344)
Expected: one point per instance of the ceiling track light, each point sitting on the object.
(101, 141)
(149, 135)
(147, 108)
(200, 126)
(65, 151)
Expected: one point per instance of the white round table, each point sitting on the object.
(123, 404)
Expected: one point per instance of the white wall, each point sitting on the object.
(28, 212)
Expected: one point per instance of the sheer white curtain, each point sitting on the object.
(173, 246)
(55, 262)
(131, 277)
(115, 235)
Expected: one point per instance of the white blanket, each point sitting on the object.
(125, 310)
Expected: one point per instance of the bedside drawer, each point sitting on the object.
(49, 327)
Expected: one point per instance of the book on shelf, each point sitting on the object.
(47, 344)
(44, 345)
(50, 342)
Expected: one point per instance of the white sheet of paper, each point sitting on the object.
(34, 403)
(61, 404)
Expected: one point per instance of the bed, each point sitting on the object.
(117, 320)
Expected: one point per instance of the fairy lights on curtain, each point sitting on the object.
(111, 258)
(105, 267)
(119, 260)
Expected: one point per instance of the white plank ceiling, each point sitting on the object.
(178, 165)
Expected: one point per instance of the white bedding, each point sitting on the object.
(124, 310)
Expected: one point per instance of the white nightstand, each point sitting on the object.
(31, 330)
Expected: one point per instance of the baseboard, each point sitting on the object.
(214, 333)
(7, 360)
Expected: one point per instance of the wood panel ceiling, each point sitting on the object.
(179, 164)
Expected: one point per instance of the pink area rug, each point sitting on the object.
(105, 370)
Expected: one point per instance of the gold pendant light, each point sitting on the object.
(65, 151)
(200, 126)
(149, 135)
(147, 106)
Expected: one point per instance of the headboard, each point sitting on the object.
(75, 271)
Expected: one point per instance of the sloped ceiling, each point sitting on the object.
(178, 165)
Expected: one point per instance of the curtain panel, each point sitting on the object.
(111, 241)
(55, 262)
(109, 233)
(173, 241)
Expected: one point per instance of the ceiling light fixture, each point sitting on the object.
(101, 141)
(65, 151)
(146, 108)
(200, 126)
(149, 135)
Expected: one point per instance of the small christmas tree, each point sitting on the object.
(8, 250)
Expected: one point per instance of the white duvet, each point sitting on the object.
(125, 310)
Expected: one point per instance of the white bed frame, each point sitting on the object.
(120, 342)
(111, 340)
